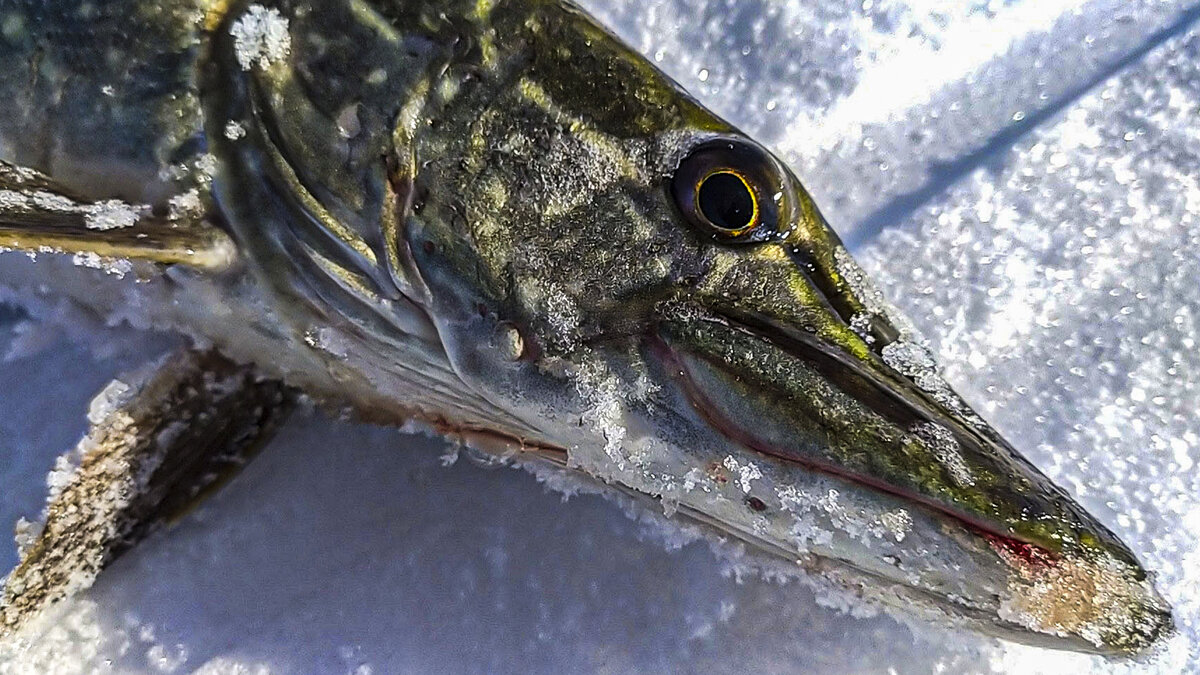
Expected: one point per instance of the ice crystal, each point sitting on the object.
(113, 214)
(261, 37)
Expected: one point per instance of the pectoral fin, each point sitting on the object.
(39, 216)
(157, 446)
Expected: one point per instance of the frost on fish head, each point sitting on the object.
(661, 297)
(657, 296)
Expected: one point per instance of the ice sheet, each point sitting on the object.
(1046, 220)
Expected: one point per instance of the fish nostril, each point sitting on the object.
(756, 504)
(872, 327)
(824, 287)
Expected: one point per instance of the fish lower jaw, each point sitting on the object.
(1088, 603)
(1093, 597)
(1023, 617)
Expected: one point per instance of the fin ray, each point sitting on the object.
(164, 445)
(38, 216)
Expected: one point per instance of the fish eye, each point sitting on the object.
(730, 190)
(726, 200)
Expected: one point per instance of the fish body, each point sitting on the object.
(494, 217)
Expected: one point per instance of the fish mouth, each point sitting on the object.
(992, 544)
(829, 361)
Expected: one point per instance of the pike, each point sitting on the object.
(492, 217)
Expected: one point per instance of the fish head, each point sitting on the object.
(659, 296)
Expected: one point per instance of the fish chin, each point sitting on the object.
(918, 567)
(821, 458)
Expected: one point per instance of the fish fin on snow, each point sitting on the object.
(156, 448)
(39, 216)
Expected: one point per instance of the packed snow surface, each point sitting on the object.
(1019, 176)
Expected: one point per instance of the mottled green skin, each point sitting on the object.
(542, 179)
(101, 95)
(506, 171)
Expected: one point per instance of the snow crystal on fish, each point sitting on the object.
(869, 294)
(186, 205)
(59, 477)
(118, 267)
(896, 523)
(861, 325)
(261, 38)
(835, 511)
(108, 401)
(605, 415)
(745, 472)
(914, 361)
(113, 214)
(25, 533)
(944, 446)
(206, 165)
(48, 201)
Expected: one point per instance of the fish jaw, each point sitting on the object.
(540, 227)
(934, 511)
(742, 397)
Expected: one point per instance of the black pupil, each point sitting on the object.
(726, 201)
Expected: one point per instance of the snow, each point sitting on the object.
(745, 472)
(234, 130)
(187, 205)
(111, 397)
(118, 267)
(261, 38)
(1029, 199)
(113, 214)
(941, 441)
